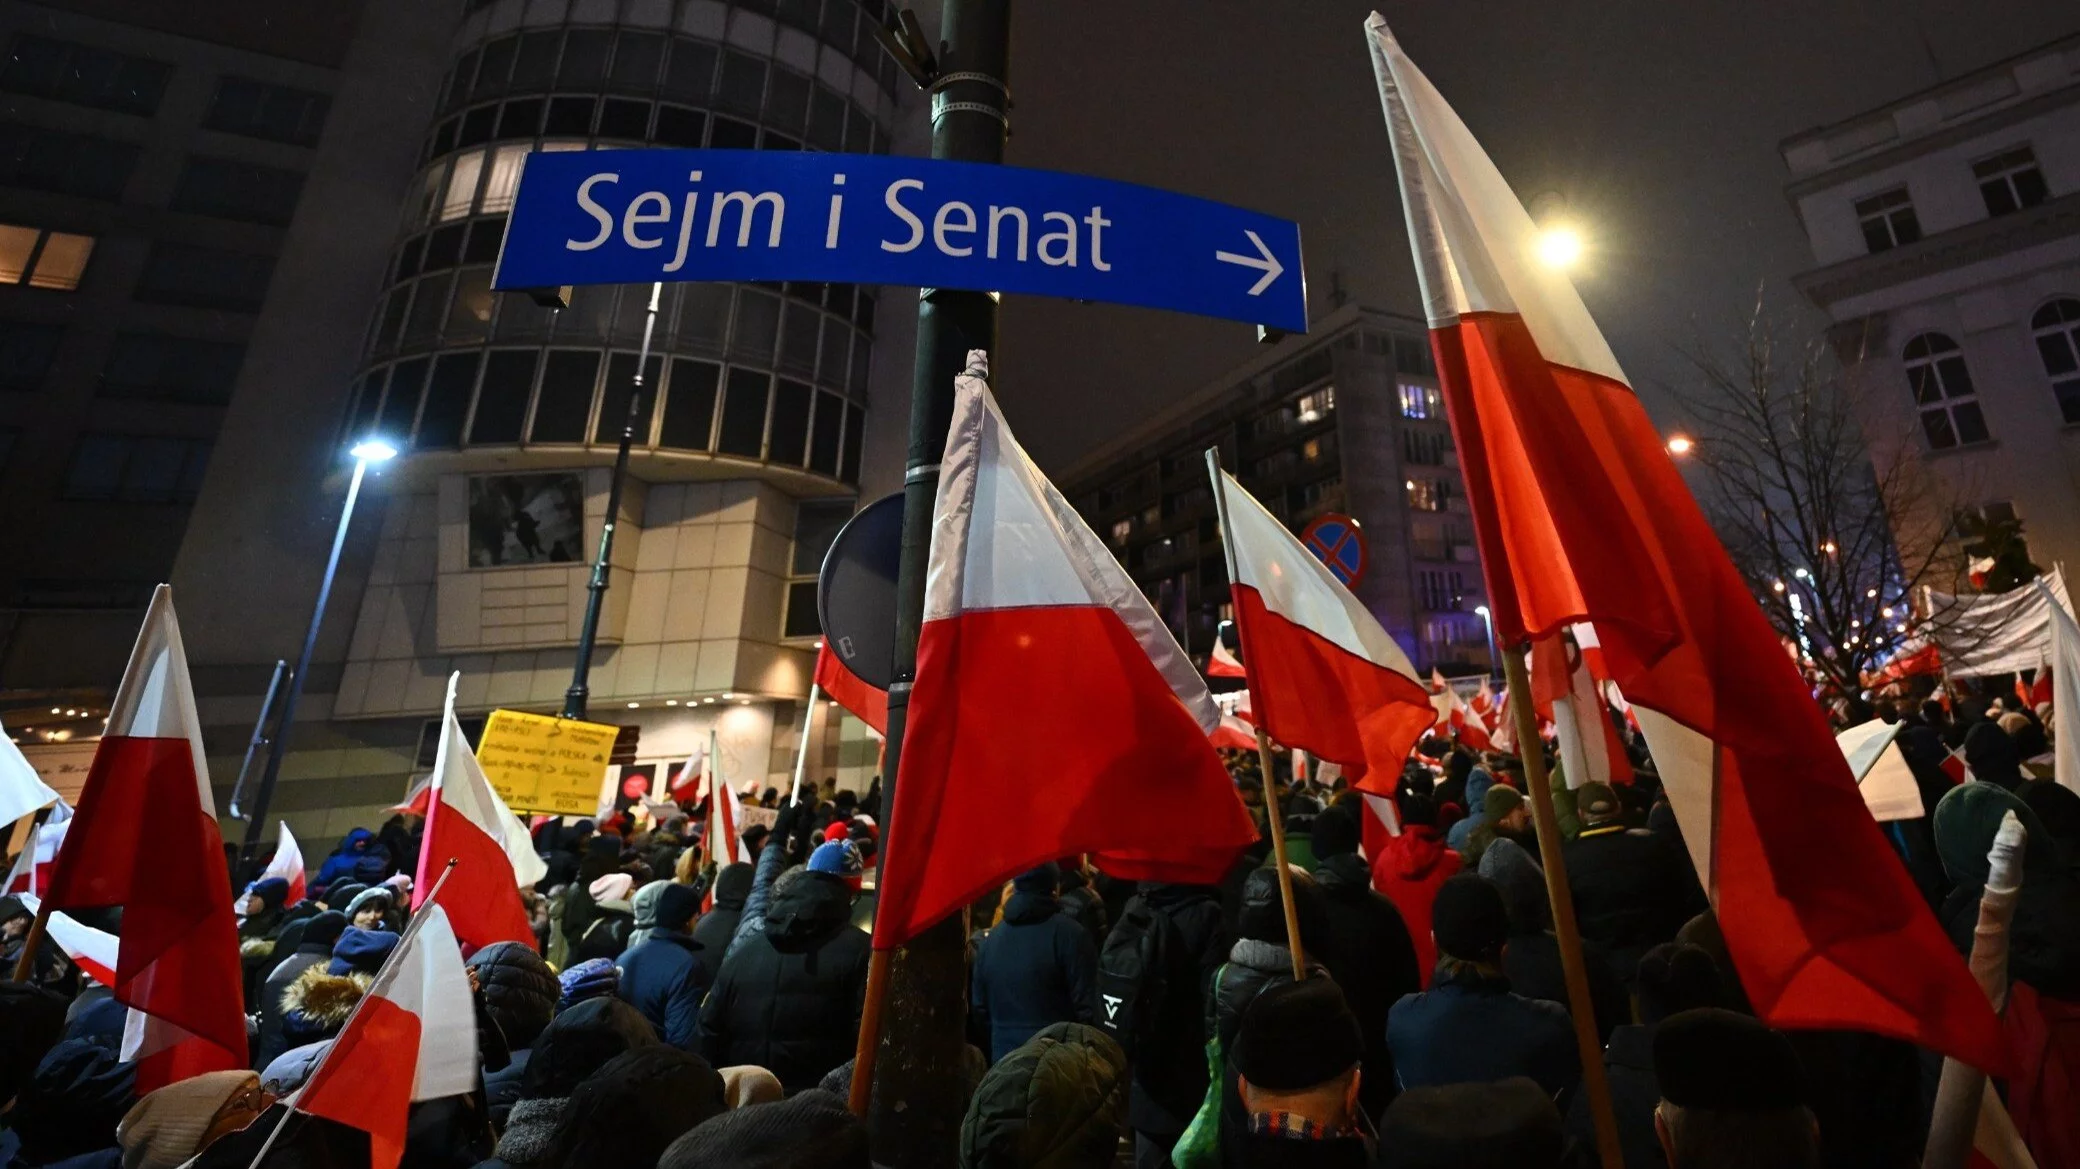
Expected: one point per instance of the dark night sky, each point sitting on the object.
(1658, 122)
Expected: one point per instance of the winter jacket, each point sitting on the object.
(607, 934)
(1194, 911)
(316, 1004)
(269, 1043)
(1407, 872)
(518, 991)
(1628, 1063)
(1056, 1102)
(1253, 967)
(1478, 781)
(1532, 965)
(1082, 905)
(1469, 1028)
(788, 998)
(1627, 891)
(1372, 957)
(1038, 968)
(357, 843)
(644, 903)
(718, 925)
(665, 978)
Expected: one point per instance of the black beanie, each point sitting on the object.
(1676, 976)
(1469, 919)
(809, 1130)
(325, 929)
(1335, 833)
(1297, 1035)
(1508, 1124)
(632, 1109)
(1725, 1061)
(676, 905)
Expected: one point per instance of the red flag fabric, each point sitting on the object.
(1234, 734)
(468, 823)
(1581, 516)
(1324, 676)
(145, 838)
(1030, 622)
(93, 951)
(867, 703)
(417, 1018)
(1222, 663)
(287, 863)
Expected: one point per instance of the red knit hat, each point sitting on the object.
(837, 830)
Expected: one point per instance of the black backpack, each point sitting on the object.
(1150, 1000)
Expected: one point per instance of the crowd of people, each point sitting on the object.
(676, 1013)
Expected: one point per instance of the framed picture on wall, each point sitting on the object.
(526, 519)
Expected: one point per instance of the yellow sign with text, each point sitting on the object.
(549, 765)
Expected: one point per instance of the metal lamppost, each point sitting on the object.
(368, 450)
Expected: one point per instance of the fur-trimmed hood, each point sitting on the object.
(321, 1000)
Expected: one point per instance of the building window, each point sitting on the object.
(171, 369)
(2057, 327)
(277, 113)
(204, 277)
(1428, 494)
(1887, 219)
(26, 352)
(1943, 392)
(1318, 449)
(1275, 422)
(238, 190)
(85, 75)
(43, 259)
(1421, 401)
(136, 469)
(816, 527)
(1315, 406)
(1422, 448)
(1122, 530)
(70, 164)
(2010, 181)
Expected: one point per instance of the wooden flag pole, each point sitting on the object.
(1274, 816)
(801, 757)
(25, 966)
(1531, 749)
(862, 1090)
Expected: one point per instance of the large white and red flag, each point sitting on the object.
(22, 790)
(39, 856)
(93, 951)
(1581, 516)
(724, 836)
(867, 702)
(1030, 623)
(287, 863)
(145, 838)
(413, 1037)
(690, 785)
(1323, 675)
(467, 822)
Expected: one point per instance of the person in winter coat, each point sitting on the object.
(715, 928)
(2044, 936)
(1732, 1093)
(1508, 818)
(1169, 1067)
(1672, 977)
(788, 999)
(1409, 870)
(1532, 961)
(644, 903)
(517, 993)
(1626, 885)
(168, 1127)
(1478, 781)
(375, 908)
(1037, 968)
(611, 922)
(1299, 1071)
(69, 1109)
(1468, 1026)
(316, 1004)
(1259, 961)
(1058, 1101)
(357, 843)
(1083, 904)
(263, 908)
(602, 856)
(667, 975)
(314, 948)
(577, 1043)
(400, 843)
(1370, 954)
(1990, 752)
(629, 1111)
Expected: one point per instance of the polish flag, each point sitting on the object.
(33, 865)
(691, 784)
(725, 823)
(417, 1015)
(1581, 516)
(1029, 622)
(1954, 766)
(415, 800)
(1382, 820)
(145, 838)
(1222, 662)
(1589, 748)
(93, 951)
(1459, 720)
(1484, 703)
(22, 790)
(1331, 680)
(287, 863)
(467, 822)
(1234, 734)
(867, 703)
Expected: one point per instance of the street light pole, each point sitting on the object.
(366, 452)
(1494, 654)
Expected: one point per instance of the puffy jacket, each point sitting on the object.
(1056, 1102)
(317, 1003)
(1372, 957)
(714, 929)
(1469, 1028)
(269, 1043)
(518, 991)
(788, 997)
(356, 844)
(644, 904)
(1407, 872)
(1039, 967)
(665, 977)
(1253, 967)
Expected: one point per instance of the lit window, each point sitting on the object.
(49, 259)
(1316, 406)
(1421, 401)
(2057, 327)
(17, 244)
(1121, 530)
(504, 178)
(1887, 220)
(1943, 392)
(462, 185)
(2010, 181)
(1311, 450)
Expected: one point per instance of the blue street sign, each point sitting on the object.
(636, 216)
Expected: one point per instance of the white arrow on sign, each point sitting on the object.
(1268, 265)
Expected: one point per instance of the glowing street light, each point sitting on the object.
(1680, 444)
(1559, 247)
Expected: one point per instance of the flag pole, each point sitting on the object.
(1572, 966)
(801, 755)
(25, 966)
(1274, 817)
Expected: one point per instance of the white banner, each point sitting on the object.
(2000, 634)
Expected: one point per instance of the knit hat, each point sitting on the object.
(578, 1042)
(612, 887)
(1522, 882)
(1507, 1124)
(362, 950)
(1469, 919)
(324, 929)
(812, 1130)
(1596, 803)
(1965, 822)
(272, 891)
(1335, 833)
(376, 895)
(837, 830)
(635, 1105)
(1297, 1035)
(342, 893)
(401, 882)
(1041, 878)
(1673, 977)
(838, 859)
(676, 906)
(1500, 801)
(1262, 916)
(166, 1128)
(733, 884)
(1725, 1061)
(1059, 1100)
(590, 979)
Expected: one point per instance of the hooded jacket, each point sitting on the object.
(1037, 968)
(665, 978)
(357, 843)
(717, 926)
(1056, 1102)
(1478, 781)
(316, 1004)
(788, 997)
(1371, 956)
(1407, 872)
(314, 948)
(644, 903)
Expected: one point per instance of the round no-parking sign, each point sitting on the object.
(1335, 540)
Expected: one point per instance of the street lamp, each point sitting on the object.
(371, 449)
(1680, 444)
(1488, 619)
(1559, 247)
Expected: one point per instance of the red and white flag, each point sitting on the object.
(1324, 675)
(93, 951)
(867, 703)
(33, 865)
(467, 822)
(1954, 766)
(1222, 662)
(287, 863)
(1382, 821)
(690, 785)
(1234, 734)
(1484, 703)
(1589, 748)
(22, 790)
(1581, 516)
(413, 1037)
(1029, 622)
(724, 837)
(145, 838)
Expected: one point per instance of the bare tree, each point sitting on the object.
(1835, 546)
